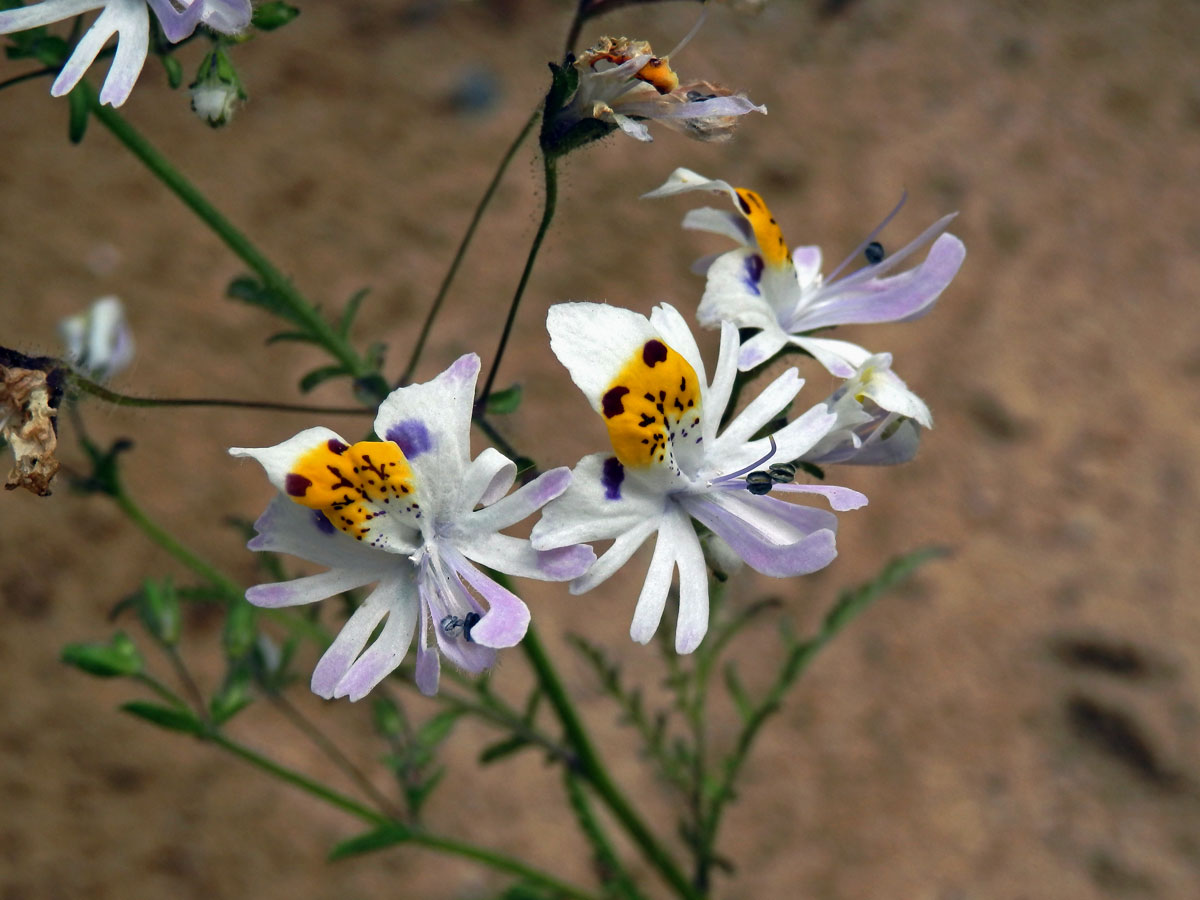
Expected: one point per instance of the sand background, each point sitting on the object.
(1018, 723)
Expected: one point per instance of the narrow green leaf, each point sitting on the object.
(501, 749)
(174, 70)
(737, 692)
(251, 291)
(351, 311)
(118, 658)
(233, 697)
(388, 717)
(811, 468)
(417, 794)
(379, 839)
(79, 109)
(438, 728)
(505, 401)
(299, 336)
(319, 376)
(173, 718)
(158, 608)
(851, 602)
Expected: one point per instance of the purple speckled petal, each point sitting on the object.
(310, 588)
(388, 650)
(520, 504)
(336, 661)
(507, 618)
(515, 556)
(747, 534)
(412, 437)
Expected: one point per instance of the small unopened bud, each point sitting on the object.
(216, 90)
(99, 342)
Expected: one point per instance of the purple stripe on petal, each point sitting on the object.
(412, 437)
(611, 477)
(754, 270)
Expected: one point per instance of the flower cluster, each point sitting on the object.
(415, 514)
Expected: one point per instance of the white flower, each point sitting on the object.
(877, 419)
(402, 512)
(621, 81)
(646, 378)
(130, 21)
(763, 285)
(99, 342)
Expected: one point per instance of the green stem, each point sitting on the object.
(612, 872)
(109, 396)
(27, 76)
(592, 769)
(302, 311)
(551, 179)
(452, 847)
(483, 204)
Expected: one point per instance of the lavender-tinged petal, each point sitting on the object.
(468, 655)
(434, 420)
(632, 127)
(626, 544)
(692, 624)
(704, 263)
(507, 618)
(733, 292)
(429, 663)
(893, 260)
(720, 221)
(684, 180)
(773, 399)
(132, 45)
(892, 394)
(488, 478)
(902, 297)
(674, 329)
(226, 16)
(763, 346)
(840, 358)
(719, 392)
(336, 661)
(520, 504)
(587, 512)
(46, 13)
(386, 651)
(653, 597)
(807, 263)
(801, 434)
(658, 108)
(310, 588)
(177, 25)
(88, 49)
(898, 447)
(797, 519)
(808, 554)
(842, 499)
(514, 556)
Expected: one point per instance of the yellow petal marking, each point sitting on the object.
(353, 485)
(653, 402)
(771, 245)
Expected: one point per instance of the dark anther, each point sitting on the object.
(451, 625)
(874, 252)
(759, 483)
(468, 622)
(781, 473)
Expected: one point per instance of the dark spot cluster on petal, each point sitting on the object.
(611, 477)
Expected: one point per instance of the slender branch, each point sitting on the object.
(468, 235)
(304, 312)
(551, 179)
(27, 76)
(110, 396)
(592, 769)
(612, 873)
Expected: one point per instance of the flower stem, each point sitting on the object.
(592, 769)
(468, 235)
(551, 179)
(109, 396)
(27, 76)
(302, 311)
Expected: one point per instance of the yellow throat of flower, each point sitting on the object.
(771, 245)
(652, 403)
(353, 485)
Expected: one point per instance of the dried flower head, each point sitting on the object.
(29, 397)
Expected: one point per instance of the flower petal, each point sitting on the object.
(842, 499)
(131, 22)
(682, 180)
(488, 478)
(45, 13)
(625, 545)
(507, 617)
(599, 504)
(595, 341)
(311, 588)
(520, 504)
(653, 597)
(514, 556)
(336, 661)
(388, 650)
(773, 399)
(735, 292)
(673, 329)
(761, 347)
(717, 398)
(227, 16)
(841, 358)
(720, 221)
(753, 529)
(429, 662)
(287, 527)
(692, 624)
(176, 24)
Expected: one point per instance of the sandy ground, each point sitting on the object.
(1019, 723)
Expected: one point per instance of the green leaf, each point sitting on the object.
(379, 839)
(417, 794)
(389, 720)
(737, 692)
(158, 608)
(300, 336)
(118, 658)
(269, 16)
(501, 749)
(351, 311)
(251, 291)
(233, 697)
(79, 109)
(505, 401)
(173, 718)
(321, 375)
(174, 70)
(241, 629)
(438, 728)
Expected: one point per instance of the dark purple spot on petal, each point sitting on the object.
(611, 402)
(296, 485)
(323, 524)
(754, 270)
(336, 446)
(611, 477)
(653, 353)
(412, 437)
